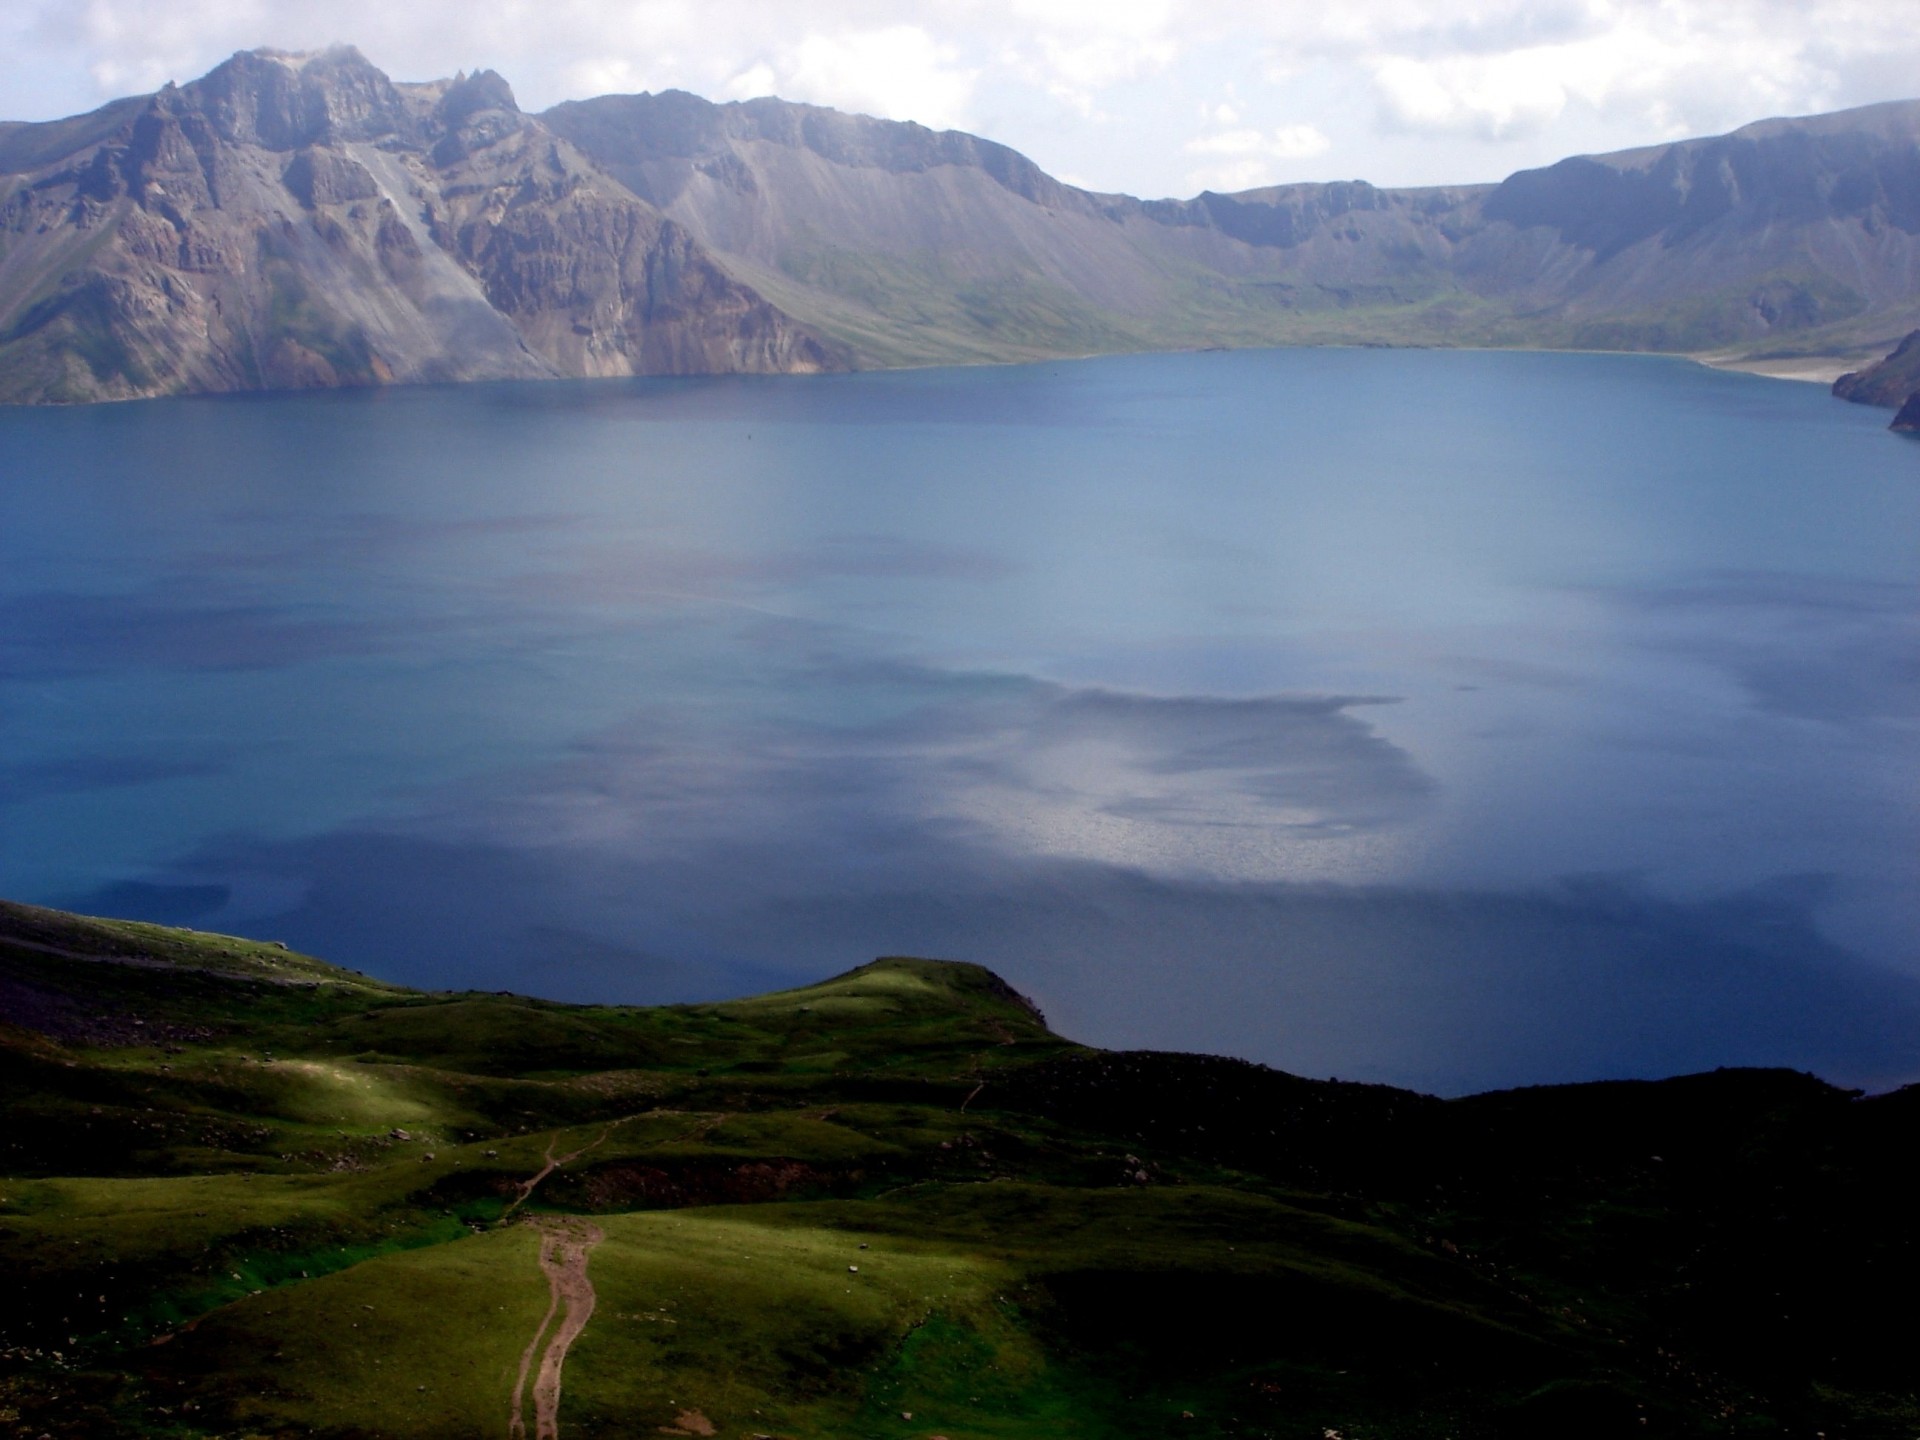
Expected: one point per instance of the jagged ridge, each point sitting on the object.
(1786, 237)
(293, 220)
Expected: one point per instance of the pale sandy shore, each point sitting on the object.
(1817, 369)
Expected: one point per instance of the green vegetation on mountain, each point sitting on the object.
(1746, 246)
(247, 1193)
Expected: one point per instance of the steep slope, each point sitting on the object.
(1890, 381)
(913, 245)
(292, 221)
(246, 1192)
(302, 220)
(1789, 236)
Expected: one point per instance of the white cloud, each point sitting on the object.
(1290, 142)
(1495, 68)
(1139, 18)
(1075, 71)
(756, 80)
(1400, 90)
(900, 72)
(1247, 159)
(1665, 70)
(1495, 97)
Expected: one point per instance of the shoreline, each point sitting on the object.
(1807, 369)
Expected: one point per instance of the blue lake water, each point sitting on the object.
(1454, 719)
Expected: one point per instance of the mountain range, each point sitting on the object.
(303, 220)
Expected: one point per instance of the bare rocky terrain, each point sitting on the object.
(289, 221)
(1784, 240)
(295, 221)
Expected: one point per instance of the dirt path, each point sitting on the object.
(565, 1244)
(554, 1162)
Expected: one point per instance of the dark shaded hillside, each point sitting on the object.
(244, 1190)
(1891, 381)
(27, 147)
(1740, 1213)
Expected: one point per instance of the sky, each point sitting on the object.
(1150, 97)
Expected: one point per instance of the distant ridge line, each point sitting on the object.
(293, 220)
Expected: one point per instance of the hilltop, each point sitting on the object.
(249, 1193)
(296, 220)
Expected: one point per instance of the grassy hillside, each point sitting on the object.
(247, 1193)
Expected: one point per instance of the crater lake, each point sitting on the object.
(1453, 719)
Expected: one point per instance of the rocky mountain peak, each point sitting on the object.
(468, 94)
(293, 219)
(475, 111)
(284, 101)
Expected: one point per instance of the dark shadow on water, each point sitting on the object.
(1444, 990)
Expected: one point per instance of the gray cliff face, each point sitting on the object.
(912, 246)
(1783, 235)
(1891, 381)
(1787, 237)
(294, 221)
(596, 281)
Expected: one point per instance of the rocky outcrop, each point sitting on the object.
(1893, 382)
(317, 177)
(1890, 382)
(596, 281)
(291, 221)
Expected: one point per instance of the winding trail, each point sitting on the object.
(554, 1162)
(565, 1244)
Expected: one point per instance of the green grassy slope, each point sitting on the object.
(247, 1193)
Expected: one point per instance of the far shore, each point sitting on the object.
(1816, 369)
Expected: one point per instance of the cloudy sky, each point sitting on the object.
(1152, 97)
